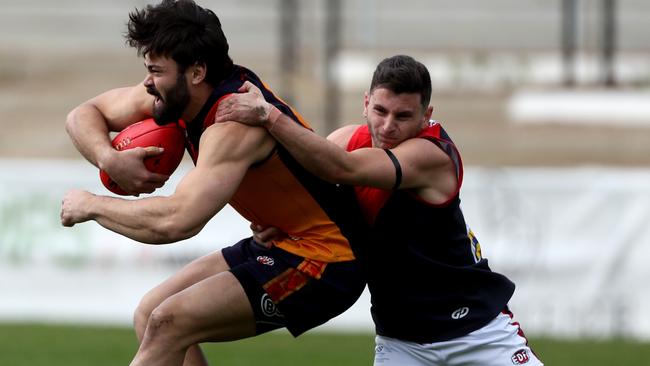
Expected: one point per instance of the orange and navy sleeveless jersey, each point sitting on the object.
(321, 219)
(438, 286)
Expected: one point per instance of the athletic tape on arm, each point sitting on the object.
(398, 169)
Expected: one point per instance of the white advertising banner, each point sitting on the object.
(574, 240)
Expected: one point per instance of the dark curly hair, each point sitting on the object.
(403, 74)
(184, 32)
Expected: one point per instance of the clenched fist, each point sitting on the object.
(74, 207)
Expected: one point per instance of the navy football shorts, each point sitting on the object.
(286, 290)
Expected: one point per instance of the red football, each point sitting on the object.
(170, 137)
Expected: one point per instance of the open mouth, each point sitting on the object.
(153, 92)
(157, 98)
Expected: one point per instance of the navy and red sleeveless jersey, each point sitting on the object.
(321, 219)
(427, 279)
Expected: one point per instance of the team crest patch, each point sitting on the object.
(520, 357)
(265, 260)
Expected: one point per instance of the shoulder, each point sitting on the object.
(422, 147)
(428, 169)
(237, 141)
(341, 137)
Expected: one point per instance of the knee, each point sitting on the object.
(142, 313)
(163, 326)
(161, 319)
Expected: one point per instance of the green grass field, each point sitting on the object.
(70, 346)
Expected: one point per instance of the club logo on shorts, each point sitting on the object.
(265, 260)
(268, 306)
(520, 357)
(460, 313)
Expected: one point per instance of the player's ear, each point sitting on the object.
(366, 101)
(199, 72)
(427, 114)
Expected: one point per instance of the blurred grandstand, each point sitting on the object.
(481, 55)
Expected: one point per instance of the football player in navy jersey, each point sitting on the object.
(435, 300)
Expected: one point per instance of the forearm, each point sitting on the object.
(89, 133)
(318, 155)
(152, 220)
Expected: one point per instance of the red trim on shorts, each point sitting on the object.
(520, 332)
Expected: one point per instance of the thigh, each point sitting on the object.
(213, 309)
(194, 272)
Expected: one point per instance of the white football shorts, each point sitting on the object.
(499, 343)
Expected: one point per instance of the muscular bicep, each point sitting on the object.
(204, 191)
(418, 164)
(226, 153)
(427, 169)
(123, 106)
(370, 167)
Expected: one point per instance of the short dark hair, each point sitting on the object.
(403, 74)
(184, 32)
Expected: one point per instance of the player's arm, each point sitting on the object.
(323, 158)
(418, 164)
(89, 124)
(227, 150)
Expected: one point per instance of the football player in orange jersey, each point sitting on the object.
(244, 290)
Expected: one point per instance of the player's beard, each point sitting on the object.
(171, 108)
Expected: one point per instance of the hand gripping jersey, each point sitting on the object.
(427, 280)
(320, 218)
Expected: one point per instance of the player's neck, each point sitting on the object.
(199, 96)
